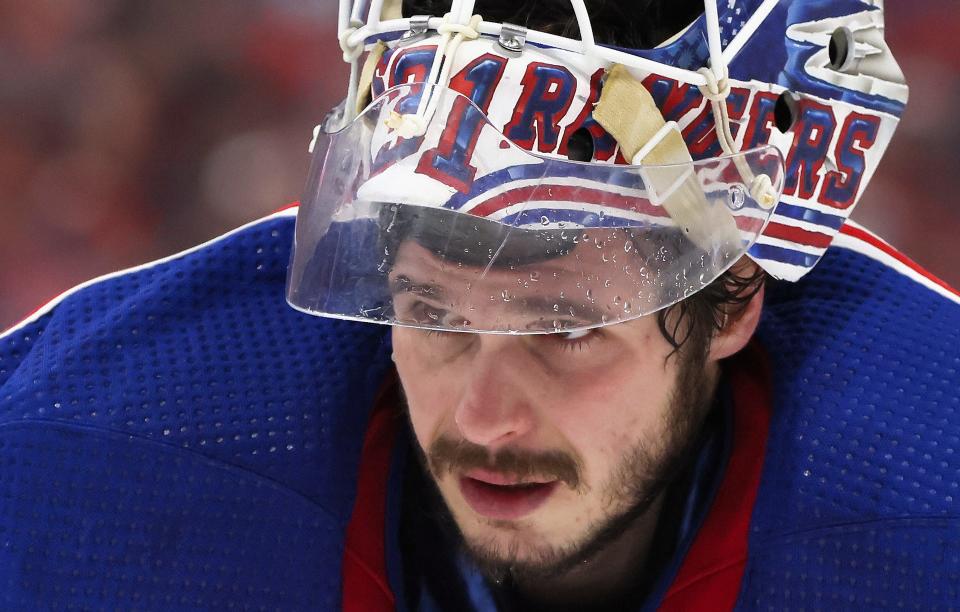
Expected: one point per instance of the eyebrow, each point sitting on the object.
(537, 303)
(403, 284)
(547, 303)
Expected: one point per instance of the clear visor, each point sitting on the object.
(422, 213)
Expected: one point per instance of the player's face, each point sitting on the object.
(541, 445)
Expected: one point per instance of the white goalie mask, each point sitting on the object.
(483, 177)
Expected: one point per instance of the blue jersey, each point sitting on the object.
(175, 437)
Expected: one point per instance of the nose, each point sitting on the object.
(494, 408)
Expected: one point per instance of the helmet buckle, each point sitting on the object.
(512, 39)
(419, 26)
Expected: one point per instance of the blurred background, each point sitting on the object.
(132, 129)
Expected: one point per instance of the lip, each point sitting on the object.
(499, 478)
(492, 496)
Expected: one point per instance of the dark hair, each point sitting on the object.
(636, 24)
(695, 319)
(692, 322)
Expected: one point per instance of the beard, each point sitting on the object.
(644, 472)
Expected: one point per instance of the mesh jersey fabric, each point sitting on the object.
(177, 438)
(859, 504)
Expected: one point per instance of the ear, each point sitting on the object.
(737, 329)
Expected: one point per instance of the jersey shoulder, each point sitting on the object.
(861, 482)
(175, 434)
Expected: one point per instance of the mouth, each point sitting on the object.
(500, 497)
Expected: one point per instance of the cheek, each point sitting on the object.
(427, 387)
(605, 415)
(621, 393)
(602, 433)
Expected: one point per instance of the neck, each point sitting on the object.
(609, 576)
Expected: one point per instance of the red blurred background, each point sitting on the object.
(131, 129)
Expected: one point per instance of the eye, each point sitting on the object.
(574, 340)
(576, 335)
(580, 146)
(444, 345)
(429, 315)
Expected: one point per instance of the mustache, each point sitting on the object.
(447, 455)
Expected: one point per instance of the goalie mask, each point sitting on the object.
(482, 177)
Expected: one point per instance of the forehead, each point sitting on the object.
(601, 278)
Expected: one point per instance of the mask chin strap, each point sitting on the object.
(717, 90)
(454, 28)
(350, 21)
(452, 34)
(347, 26)
(761, 187)
(627, 111)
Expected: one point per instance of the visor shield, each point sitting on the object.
(422, 213)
